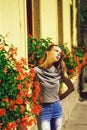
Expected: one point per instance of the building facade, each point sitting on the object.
(57, 19)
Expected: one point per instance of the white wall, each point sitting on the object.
(49, 19)
(13, 22)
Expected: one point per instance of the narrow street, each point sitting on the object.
(78, 117)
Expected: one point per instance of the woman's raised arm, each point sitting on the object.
(69, 84)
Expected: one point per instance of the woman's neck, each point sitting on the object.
(46, 65)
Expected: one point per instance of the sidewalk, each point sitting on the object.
(78, 118)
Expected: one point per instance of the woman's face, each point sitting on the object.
(54, 54)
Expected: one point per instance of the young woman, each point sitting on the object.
(49, 74)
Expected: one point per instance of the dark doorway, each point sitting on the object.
(29, 17)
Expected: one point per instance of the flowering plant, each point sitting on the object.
(36, 49)
(68, 58)
(19, 92)
(74, 59)
(79, 55)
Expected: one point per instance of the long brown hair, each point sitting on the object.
(60, 65)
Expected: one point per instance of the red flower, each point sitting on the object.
(30, 35)
(85, 58)
(37, 47)
(11, 125)
(23, 124)
(21, 94)
(2, 46)
(4, 129)
(23, 61)
(32, 73)
(2, 112)
(24, 121)
(29, 95)
(19, 86)
(19, 101)
(19, 67)
(5, 70)
(5, 99)
(71, 71)
(12, 104)
(0, 80)
(22, 108)
(39, 61)
(37, 85)
(13, 50)
(19, 77)
(25, 74)
(36, 109)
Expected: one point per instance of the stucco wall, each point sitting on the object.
(66, 22)
(70, 101)
(49, 26)
(13, 23)
(49, 19)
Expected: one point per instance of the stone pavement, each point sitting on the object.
(78, 117)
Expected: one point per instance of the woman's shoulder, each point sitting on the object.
(37, 69)
(40, 70)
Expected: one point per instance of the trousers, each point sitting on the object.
(50, 117)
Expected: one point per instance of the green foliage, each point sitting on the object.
(17, 90)
(73, 59)
(36, 49)
(69, 59)
(83, 15)
(79, 52)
